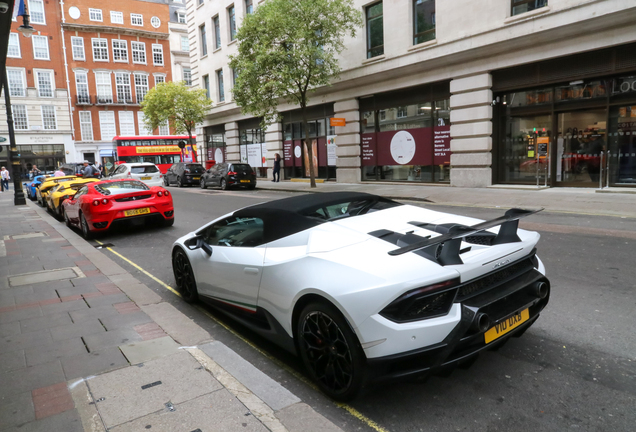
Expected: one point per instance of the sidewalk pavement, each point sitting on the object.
(84, 346)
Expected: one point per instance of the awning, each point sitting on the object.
(106, 153)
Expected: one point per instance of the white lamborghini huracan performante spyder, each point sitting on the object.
(364, 288)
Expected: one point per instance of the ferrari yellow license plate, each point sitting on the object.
(136, 212)
(506, 325)
(245, 181)
(146, 178)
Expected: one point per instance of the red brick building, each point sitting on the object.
(116, 51)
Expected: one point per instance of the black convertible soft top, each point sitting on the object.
(288, 216)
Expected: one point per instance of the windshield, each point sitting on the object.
(144, 169)
(121, 187)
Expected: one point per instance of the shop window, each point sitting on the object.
(423, 21)
(521, 6)
(581, 91)
(530, 97)
(375, 30)
(288, 132)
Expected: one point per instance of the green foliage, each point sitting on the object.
(181, 105)
(288, 48)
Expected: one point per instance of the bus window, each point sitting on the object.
(151, 159)
(153, 142)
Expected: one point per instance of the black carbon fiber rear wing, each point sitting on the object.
(451, 239)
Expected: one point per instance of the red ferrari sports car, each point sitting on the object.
(97, 206)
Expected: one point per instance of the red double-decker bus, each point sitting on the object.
(162, 151)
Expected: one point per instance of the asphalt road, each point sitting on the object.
(575, 369)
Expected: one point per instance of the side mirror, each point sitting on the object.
(197, 243)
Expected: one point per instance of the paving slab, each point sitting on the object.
(70, 331)
(112, 338)
(85, 406)
(127, 320)
(68, 421)
(25, 340)
(11, 361)
(63, 307)
(16, 315)
(180, 327)
(140, 293)
(301, 417)
(45, 322)
(16, 410)
(271, 392)
(141, 352)
(9, 329)
(93, 313)
(45, 276)
(218, 411)
(88, 364)
(55, 350)
(135, 392)
(106, 300)
(30, 378)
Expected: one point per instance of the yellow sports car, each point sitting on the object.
(62, 191)
(47, 185)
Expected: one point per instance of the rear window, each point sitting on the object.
(121, 187)
(241, 167)
(144, 169)
(195, 168)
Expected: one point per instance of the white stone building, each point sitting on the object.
(459, 92)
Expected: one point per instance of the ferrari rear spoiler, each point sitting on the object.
(451, 240)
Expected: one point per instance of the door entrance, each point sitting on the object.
(581, 143)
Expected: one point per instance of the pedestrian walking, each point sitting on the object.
(5, 177)
(98, 167)
(276, 171)
(89, 171)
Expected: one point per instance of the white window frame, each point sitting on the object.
(161, 80)
(116, 17)
(140, 85)
(103, 85)
(48, 72)
(128, 123)
(22, 83)
(141, 119)
(123, 86)
(78, 85)
(95, 15)
(185, 39)
(32, 10)
(155, 22)
(44, 126)
(15, 38)
(123, 50)
(133, 46)
(100, 41)
(74, 46)
(159, 49)
(187, 81)
(83, 123)
(164, 129)
(102, 117)
(181, 17)
(15, 116)
(40, 38)
(136, 16)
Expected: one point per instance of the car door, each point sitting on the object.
(170, 173)
(232, 273)
(72, 209)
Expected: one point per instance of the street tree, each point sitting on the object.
(287, 49)
(182, 106)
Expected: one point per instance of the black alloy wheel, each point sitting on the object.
(203, 185)
(331, 351)
(86, 232)
(67, 221)
(184, 276)
(223, 184)
(179, 183)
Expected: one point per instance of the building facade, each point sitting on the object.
(115, 51)
(179, 43)
(39, 97)
(519, 92)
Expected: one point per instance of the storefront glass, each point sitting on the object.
(253, 149)
(47, 157)
(295, 154)
(622, 144)
(522, 138)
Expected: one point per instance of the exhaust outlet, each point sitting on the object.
(481, 323)
(541, 290)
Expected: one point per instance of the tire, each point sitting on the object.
(67, 221)
(203, 185)
(331, 351)
(184, 277)
(179, 184)
(166, 182)
(223, 184)
(167, 222)
(86, 233)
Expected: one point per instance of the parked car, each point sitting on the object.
(96, 206)
(143, 171)
(227, 175)
(49, 183)
(183, 173)
(362, 287)
(62, 191)
(31, 186)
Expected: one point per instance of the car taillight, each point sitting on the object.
(253, 173)
(95, 202)
(98, 202)
(421, 303)
(159, 193)
(166, 193)
(129, 174)
(104, 201)
(187, 170)
(231, 173)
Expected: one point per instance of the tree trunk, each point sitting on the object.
(310, 149)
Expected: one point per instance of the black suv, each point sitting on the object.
(183, 173)
(227, 175)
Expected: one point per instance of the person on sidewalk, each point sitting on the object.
(89, 171)
(276, 171)
(58, 173)
(35, 171)
(5, 177)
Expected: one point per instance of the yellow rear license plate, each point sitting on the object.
(146, 178)
(507, 325)
(196, 178)
(136, 212)
(245, 181)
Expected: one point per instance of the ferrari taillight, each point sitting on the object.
(159, 193)
(95, 202)
(98, 202)
(166, 193)
(104, 201)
